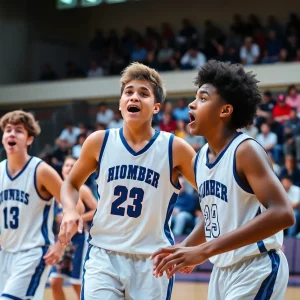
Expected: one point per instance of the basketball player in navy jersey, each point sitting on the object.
(244, 205)
(137, 182)
(70, 266)
(27, 186)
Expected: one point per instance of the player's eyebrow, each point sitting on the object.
(141, 87)
(204, 92)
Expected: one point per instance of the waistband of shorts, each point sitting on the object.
(246, 258)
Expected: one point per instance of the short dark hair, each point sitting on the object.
(285, 176)
(235, 86)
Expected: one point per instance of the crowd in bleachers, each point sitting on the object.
(248, 41)
(276, 128)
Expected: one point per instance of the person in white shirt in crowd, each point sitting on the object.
(76, 149)
(269, 141)
(95, 70)
(250, 130)
(69, 134)
(193, 59)
(250, 52)
(293, 193)
(105, 114)
(117, 121)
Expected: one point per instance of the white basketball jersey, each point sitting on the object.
(226, 203)
(26, 219)
(136, 195)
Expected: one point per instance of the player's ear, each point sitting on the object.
(156, 108)
(29, 140)
(226, 111)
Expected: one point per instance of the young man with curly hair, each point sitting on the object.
(244, 205)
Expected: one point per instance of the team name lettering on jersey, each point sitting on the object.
(14, 195)
(133, 172)
(213, 188)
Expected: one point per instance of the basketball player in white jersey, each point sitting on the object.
(244, 205)
(27, 186)
(138, 186)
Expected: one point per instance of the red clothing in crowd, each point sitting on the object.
(170, 127)
(279, 111)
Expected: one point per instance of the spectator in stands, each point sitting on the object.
(293, 98)
(292, 135)
(192, 59)
(181, 112)
(238, 25)
(277, 128)
(60, 153)
(139, 53)
(273, 24)
(290, 169)
(249, 52)
(273, 48)
(168, 124)
(117, 121)
(48, 74)
(151, 60)
(293, 193)
(167, 33)
(95, 70)
(252, 24)
(232, 46)
(183, 212)
(105, 114)
(290, 48)
(187, 34)
(281, 110)
(250, 130)
(100, 126)
(260, 39)
(196, 141)
(293, 24)
(69, 135)
(76, 149)
(97, 43)
(180, 130)
(165, 57)
(265, 108)
(268, 140)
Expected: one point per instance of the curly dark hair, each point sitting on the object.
(235, 86)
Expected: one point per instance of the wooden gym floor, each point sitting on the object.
(185, 290)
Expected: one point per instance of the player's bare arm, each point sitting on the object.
(183, 154)
(48, 185)
(254, 169)
(48, 181)
(87, 197)
(83, 168)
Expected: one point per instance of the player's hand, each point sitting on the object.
(71, 223)
(54, 254)
(178, 258)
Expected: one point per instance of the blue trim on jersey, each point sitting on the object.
(8, 296)
(211, 165)
(45, 224)
(36, 277)
(195, 165)
(260, 244)
(90, 237)
(102, 151)
(266, 289)
(35, 185)
(235, 174)
(167, 228)
(130, 150)
(87, 257)
(170, 288)
(19, 174)
(170, 151)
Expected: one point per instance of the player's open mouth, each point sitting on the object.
(133, 109)
(192, 118)
(12, 144)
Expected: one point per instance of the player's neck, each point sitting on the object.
(16, 162)
(219, 140)
(137, 135)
